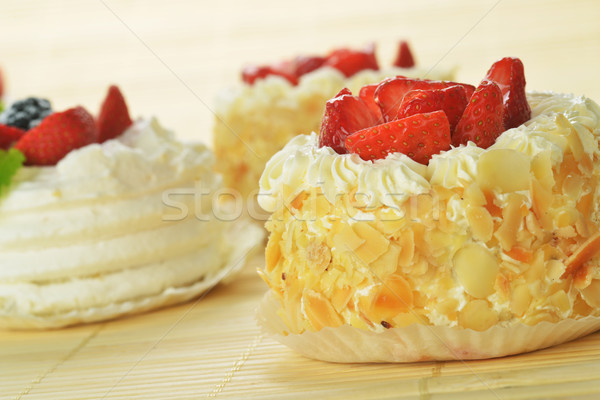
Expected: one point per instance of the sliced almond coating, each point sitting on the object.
(449, 308)
(476, 269)
(511, 221)
(503, 170)
(477, 315)
(583, 254)
(520, 300)
(474, 196)
(393, 296)
(561, 301)
(406, 240)
(591, 294)
(387, 263)
(481, 223)
(273, 251)
(541, 166)
(318, 255)
(341, 297)
(319, 311)
(374, 245)
(346, 239)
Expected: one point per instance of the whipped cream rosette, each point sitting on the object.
(275, 103)
(115, 228)
(481, 252)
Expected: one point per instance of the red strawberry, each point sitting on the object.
(367, 93)
(251, 73)
(349, 62)
(390, 92)
(452, 100)
(344, 114)
(9, 135)
(57, 135)
(305, 64)
(509, 75)
(419, 136)
(481, 122)
(404, 58)
(114, 117)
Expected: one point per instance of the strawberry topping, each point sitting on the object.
(113, 118)
(420, 117)
(404, 58)
(481, 122)
(419, 136)
(349, 62)
(452, 100)
(508, 73)
(391, 92)
(9, 135)
(57, 135)
(251, 73)
(344, 115)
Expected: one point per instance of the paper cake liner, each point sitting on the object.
(417, 342)
(248, 238)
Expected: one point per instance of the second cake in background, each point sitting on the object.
(278, 102)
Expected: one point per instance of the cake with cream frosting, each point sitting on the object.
(482, 247)
(276, 102)
(114, 226)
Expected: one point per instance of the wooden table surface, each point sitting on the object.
(170, 59)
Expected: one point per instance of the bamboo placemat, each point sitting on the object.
(212, 348)
(171, 58)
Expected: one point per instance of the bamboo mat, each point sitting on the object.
(171, 58)
(213, 349)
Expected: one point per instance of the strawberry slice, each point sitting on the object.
(452, 100)
(481, 122)
(419, 136)
(305, 64)
(508, 73)
(252, 72)
(404, 58)
(57, 135)
(367, 94)
(349, 62)
(113, 118)
(9, 135)
(390, 92)
(344, 115)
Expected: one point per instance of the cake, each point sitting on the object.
(473, 235)
(276, 102)
(108, 217)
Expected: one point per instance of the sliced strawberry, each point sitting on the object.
(367, 94)
(481, 122)
(404, 58)
(390, 92)
(113, 118)
(57, 135)
(452, 100)
(9, 135)
(344, 115)
(509, 75)
(349, 62)
(251, 73)
(305, 64)
(419, 136)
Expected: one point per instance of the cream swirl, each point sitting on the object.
(302, 165)
(108, 207)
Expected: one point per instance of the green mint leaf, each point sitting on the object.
(10, 162)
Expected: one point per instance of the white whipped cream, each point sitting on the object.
(302, 165)
(103, 208)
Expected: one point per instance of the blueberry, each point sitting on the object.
(27, 113)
